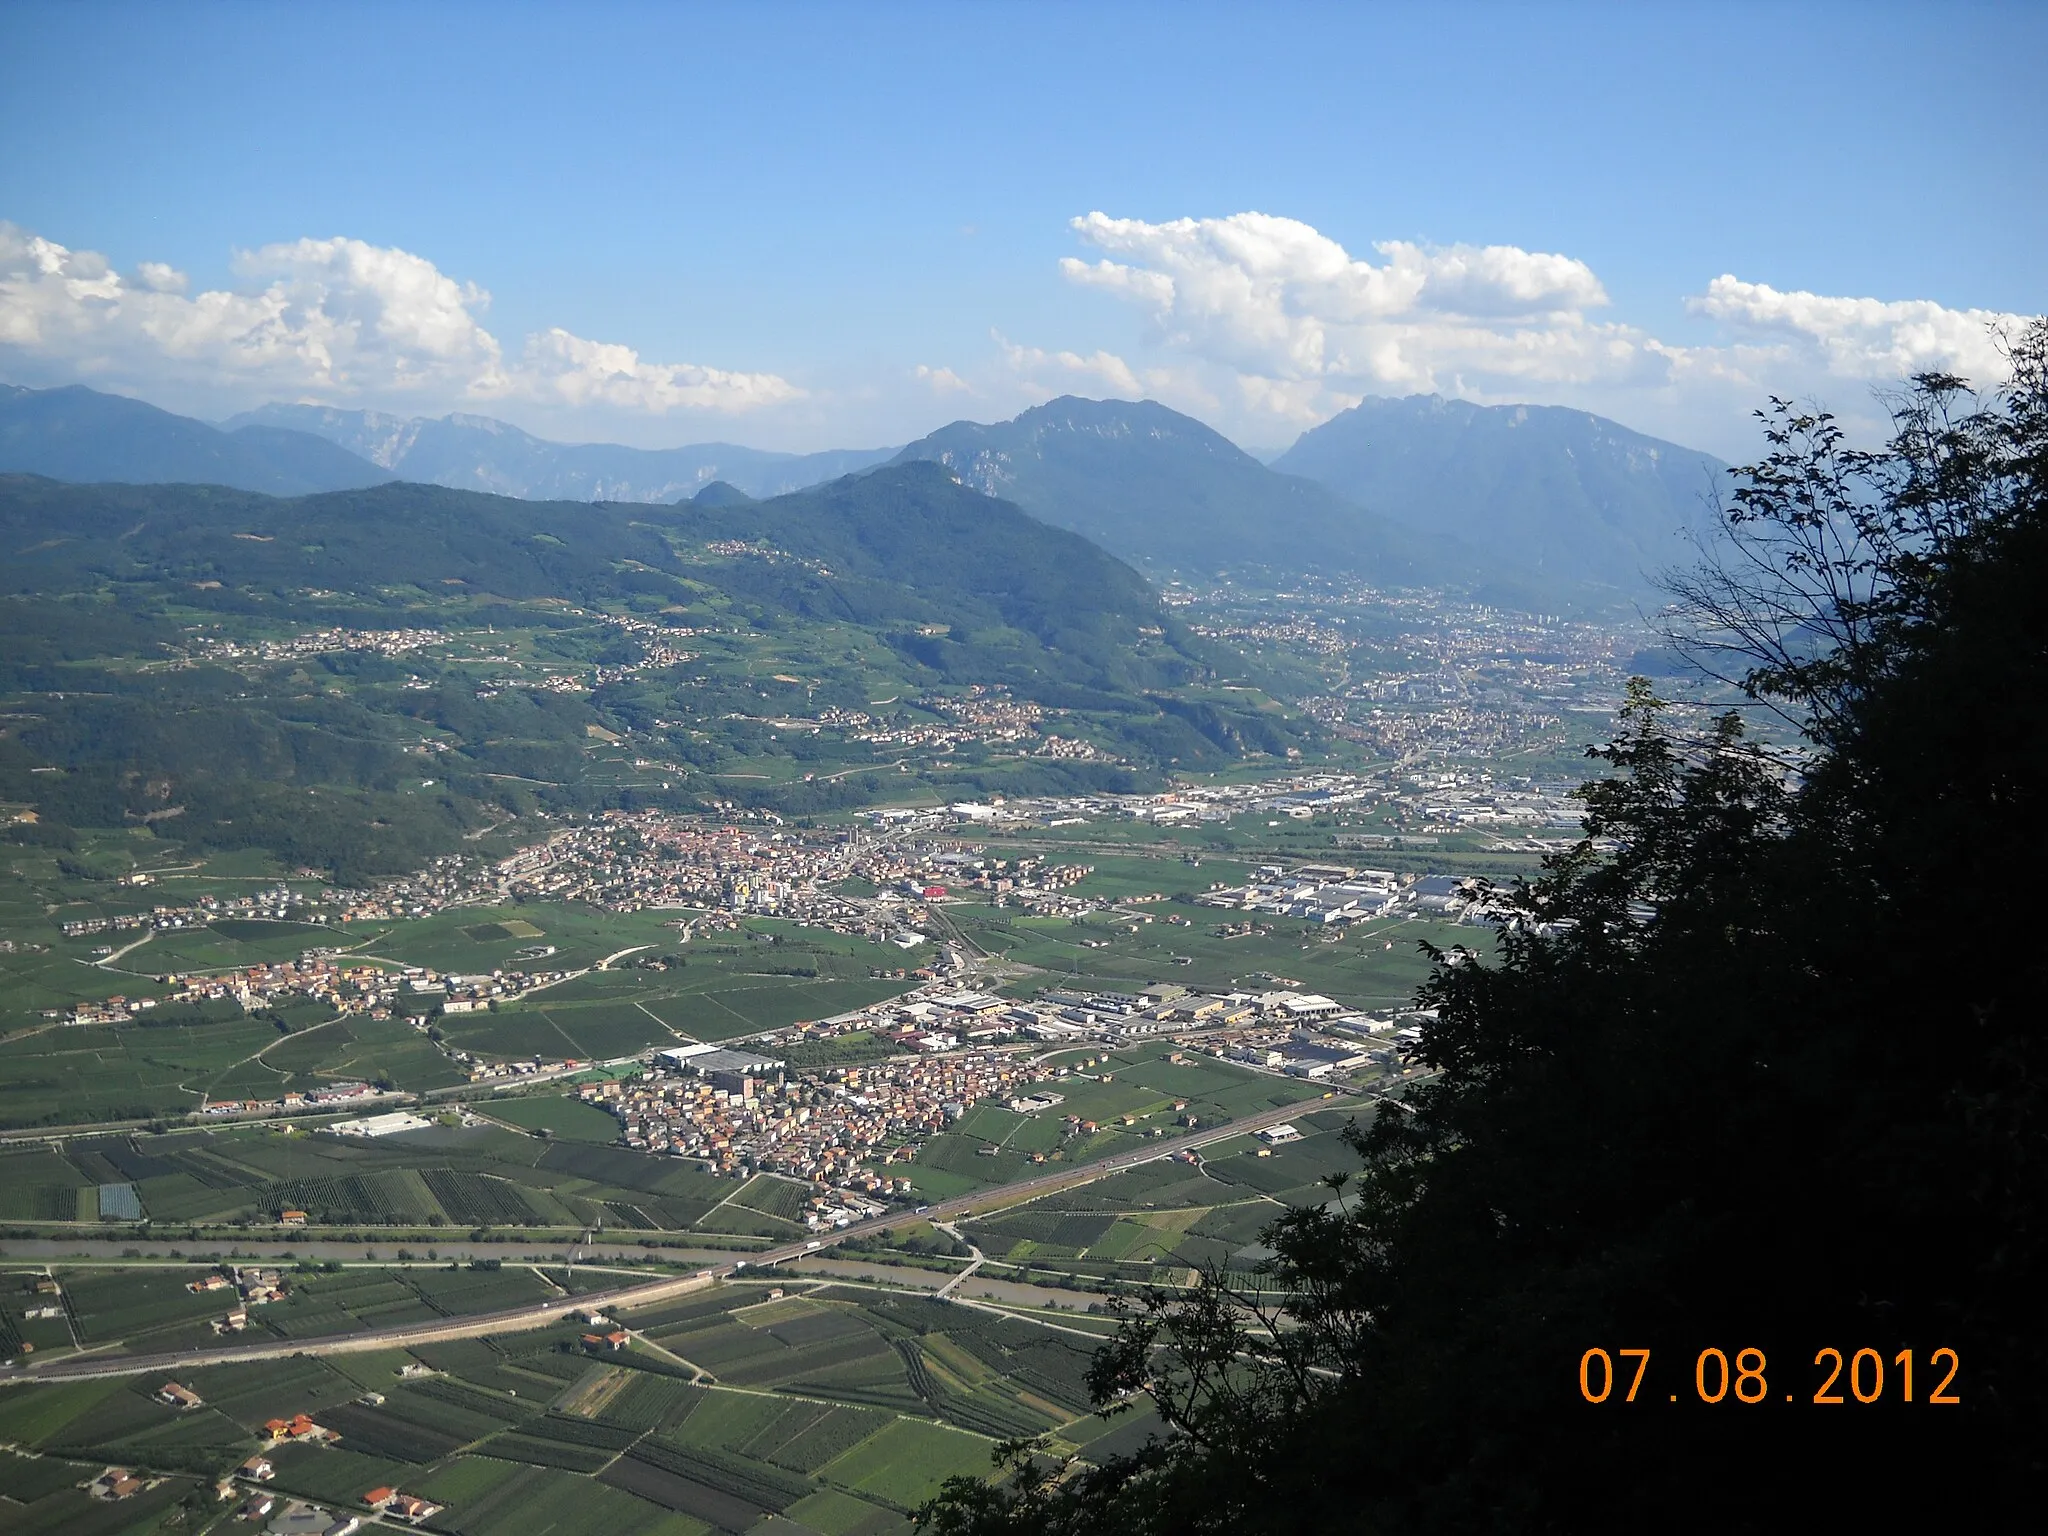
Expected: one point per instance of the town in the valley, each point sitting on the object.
(944, 1041)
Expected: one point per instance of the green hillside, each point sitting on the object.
(910, 547)
(354, 679)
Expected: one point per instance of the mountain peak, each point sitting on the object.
(721, 493)
(1562, 494)
(1160, 488)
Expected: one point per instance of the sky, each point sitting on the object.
(808, 226)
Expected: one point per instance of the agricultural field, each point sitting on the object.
(833, 1409)
(1212, 851)
(138, 1308)
(836, 1408)
(547, 1162)
(166, 1062)
(1146, 1096)
(767, 975)
(1155, 1222)
(1374, 966)
(164, 1066)
(557, 1115)
(460, 1177)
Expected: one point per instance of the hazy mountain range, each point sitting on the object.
(80, 434)
(1528, 503)
(1558, 494)
(1159, 488)
(478, 453)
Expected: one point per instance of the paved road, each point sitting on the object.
(522, 1319)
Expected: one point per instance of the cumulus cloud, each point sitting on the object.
(1862, 338)
(337, 320)
(1033, 375)
(942, 381)
(1277, 299)
(160, 278)
(580, 372)
(1100, 370)
(1292, 327)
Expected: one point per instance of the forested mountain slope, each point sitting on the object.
(355, 678)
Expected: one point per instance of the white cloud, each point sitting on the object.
(1276, 298)
(1290, 327)
(1100, 370)
(1862, 338)
(159, 278)
(579, 372)
(1258, 323)
(942, 381)
(336, 320)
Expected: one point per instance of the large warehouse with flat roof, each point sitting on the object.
(704, 1060)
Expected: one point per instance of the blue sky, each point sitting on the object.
(801, 226)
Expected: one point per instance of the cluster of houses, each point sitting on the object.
(282, 903)
(388, 643)
(414, 992)
(299, 1429)
(316, 977)
(252, 1285)
(742, 1112)
(251, 1476)
(429, 991)
(105, 1010)
(532, 1068)
(1299, 795)
(284, 1517)
(446, 881)
(295, 1517)
(981, 714)
(409, 1507)
(634, 861)
(114, 1483)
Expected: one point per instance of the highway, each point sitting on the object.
(545, 1314)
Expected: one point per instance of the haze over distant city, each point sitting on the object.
(611, 228)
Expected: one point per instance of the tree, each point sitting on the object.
(1743, 1074)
